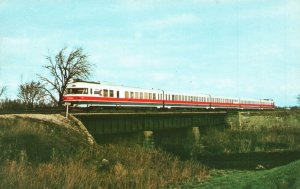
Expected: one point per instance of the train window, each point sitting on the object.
(111, 93)
(154, 96)
(126, 94)
(77, 91)
(118, 94)
(146, 96)
(131, 95)
(136, 95)
(105, 92)
(97, 92)
(141, 95)
(91, 91)
(150, 96)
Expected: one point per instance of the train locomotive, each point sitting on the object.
(101, 94)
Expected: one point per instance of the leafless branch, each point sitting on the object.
(2, 90)
(62, 69)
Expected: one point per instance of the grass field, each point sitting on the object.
(52, 152)
(43, 154)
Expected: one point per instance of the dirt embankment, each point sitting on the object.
(54, 119)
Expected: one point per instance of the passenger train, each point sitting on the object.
(100, 94)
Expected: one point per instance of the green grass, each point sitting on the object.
(38, 141)
(284, 177)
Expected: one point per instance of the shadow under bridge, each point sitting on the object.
(109, 123)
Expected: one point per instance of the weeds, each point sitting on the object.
(43, 155)
(267, 140)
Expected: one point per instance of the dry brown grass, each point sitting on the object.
(42, 154)
(127, 168)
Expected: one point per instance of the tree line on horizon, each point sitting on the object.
(48, 91)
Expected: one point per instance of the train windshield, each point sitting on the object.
(77, 91)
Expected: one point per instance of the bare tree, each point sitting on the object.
(63, 68)
(2, 90)
(31, 94)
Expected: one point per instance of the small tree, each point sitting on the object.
(31, 94)
(62, 69)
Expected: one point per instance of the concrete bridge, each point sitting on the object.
(109, 123)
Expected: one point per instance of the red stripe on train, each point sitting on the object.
(166, 102)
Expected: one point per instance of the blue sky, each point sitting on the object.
(246, 48)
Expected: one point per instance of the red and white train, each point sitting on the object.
(98, 94)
